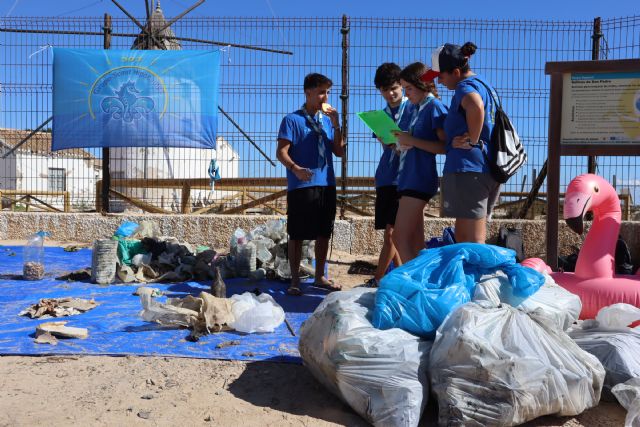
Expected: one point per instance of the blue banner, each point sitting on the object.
(134, 98)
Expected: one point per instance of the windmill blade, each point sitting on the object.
(181, 15)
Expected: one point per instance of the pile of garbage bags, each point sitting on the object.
(419, 295)
(262, 253)
(494, 342)
(382, 375)
(617, 346)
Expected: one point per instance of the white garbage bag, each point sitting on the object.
(618, 315)
(255, 313)
(382, 375)
(561, 306)
(616, 346)
(628, 394)
(499, 366)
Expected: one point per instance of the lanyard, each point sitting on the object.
(318, 129)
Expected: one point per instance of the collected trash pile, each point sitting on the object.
(262, 253)
(207, 314)
(138, 253)
(494, 342)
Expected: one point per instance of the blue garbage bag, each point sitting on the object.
(126, 229)
(419, 295)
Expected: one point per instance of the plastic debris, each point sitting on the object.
(255, 313)
(126, 229)
(628, 394)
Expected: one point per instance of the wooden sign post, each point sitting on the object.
(594, 110)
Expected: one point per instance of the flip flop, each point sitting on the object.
(294, 291)
(328, 286)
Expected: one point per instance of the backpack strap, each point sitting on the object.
(496, 99)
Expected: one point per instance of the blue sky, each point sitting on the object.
(509, 9)
(524, 83)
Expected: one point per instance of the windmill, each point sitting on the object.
(157, 163)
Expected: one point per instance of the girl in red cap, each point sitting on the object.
(469, 191)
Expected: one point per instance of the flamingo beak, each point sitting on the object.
(576, 224)
(576, 205)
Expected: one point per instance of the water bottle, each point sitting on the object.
(33, 257)
(103, 261)
(246, 259)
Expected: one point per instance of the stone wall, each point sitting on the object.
(354, 235)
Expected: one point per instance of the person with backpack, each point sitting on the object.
(469, 189)
(417, 173)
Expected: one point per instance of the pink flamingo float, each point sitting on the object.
(594, 280)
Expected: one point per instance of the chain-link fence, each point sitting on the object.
(261, 84)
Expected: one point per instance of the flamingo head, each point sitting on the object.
(587, 192)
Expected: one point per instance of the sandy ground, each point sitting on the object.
(96, 390)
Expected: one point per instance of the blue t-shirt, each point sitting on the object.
(418, 167)
(304, 150)
(460, 159)
(387, 170)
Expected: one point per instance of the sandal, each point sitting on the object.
(331, 286)
(294, 291)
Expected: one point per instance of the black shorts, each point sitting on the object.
(311, 212)
(415, 194)
(386, 206)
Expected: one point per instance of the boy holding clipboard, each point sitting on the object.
(400, 110)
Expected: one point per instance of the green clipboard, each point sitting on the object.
(381, 124)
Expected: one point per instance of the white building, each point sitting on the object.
(33, 167)
(172, 163)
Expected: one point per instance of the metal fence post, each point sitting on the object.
(106, 155)
(595, 56)
(344, 96)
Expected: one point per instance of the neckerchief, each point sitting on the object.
(397, 119)
(317, 127)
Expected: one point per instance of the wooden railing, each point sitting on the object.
(30, 198)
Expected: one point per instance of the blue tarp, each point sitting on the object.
(419, 295)
(114, 326)
(135, 98)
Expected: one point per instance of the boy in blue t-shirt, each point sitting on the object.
(307, 140)
(387, 81)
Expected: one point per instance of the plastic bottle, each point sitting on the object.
(103, 261)
(33, 257)
(246, 259)
(239, 238)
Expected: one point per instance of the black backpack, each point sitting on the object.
(506, 152)
(511, 238)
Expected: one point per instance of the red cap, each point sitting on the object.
(430, 75)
